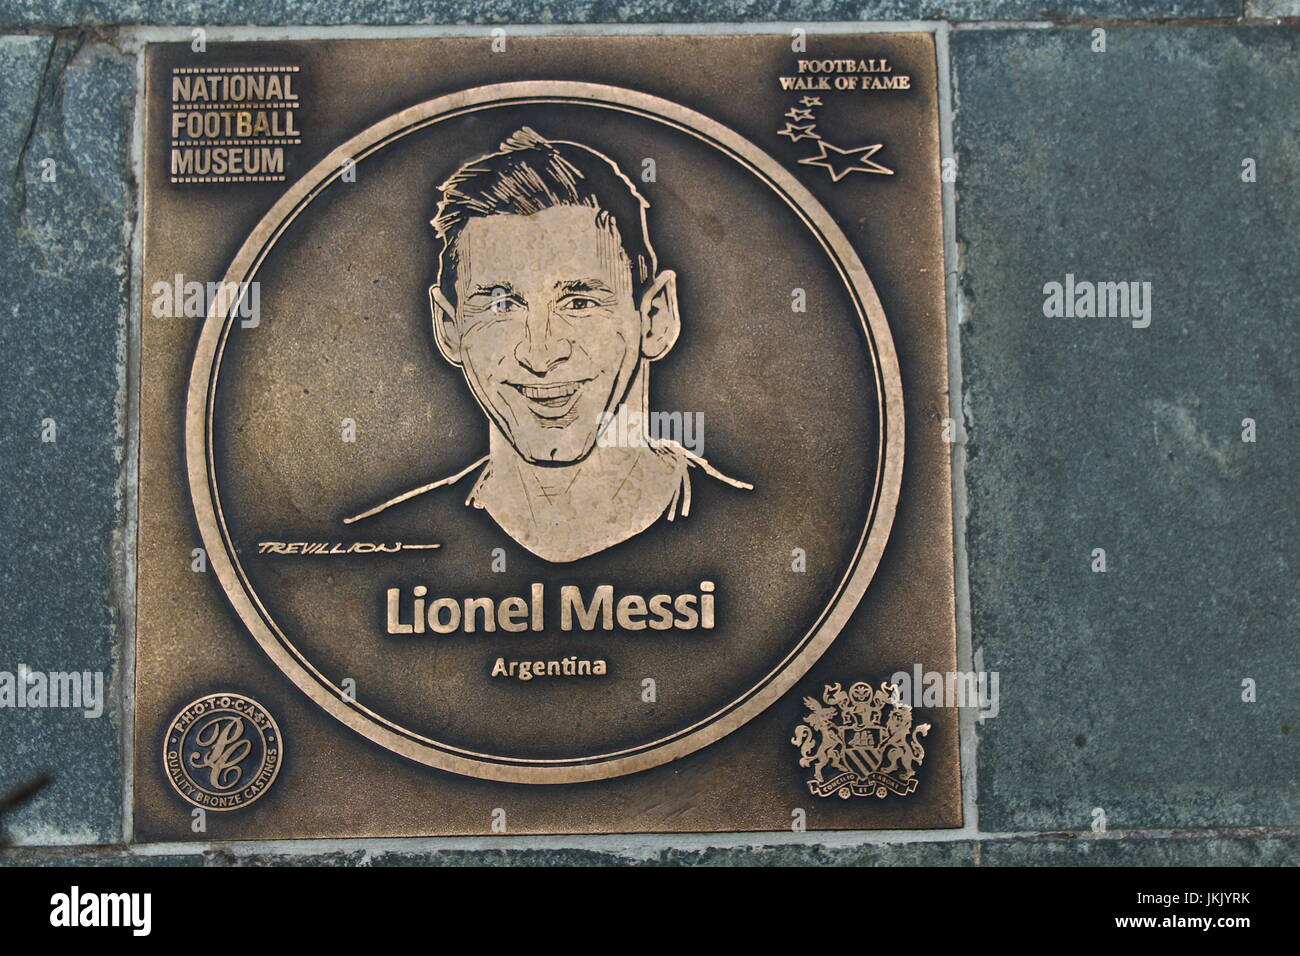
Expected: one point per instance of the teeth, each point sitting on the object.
(547, 392)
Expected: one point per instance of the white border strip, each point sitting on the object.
(956, 410)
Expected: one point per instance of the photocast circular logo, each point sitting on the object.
(222, 751)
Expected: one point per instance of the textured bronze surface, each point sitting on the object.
(540, 428)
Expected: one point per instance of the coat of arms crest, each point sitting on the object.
(850, 732)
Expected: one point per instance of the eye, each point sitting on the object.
(502, 301)
(579, 303)
(495, 299)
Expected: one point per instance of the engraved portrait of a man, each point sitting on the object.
(551, 301)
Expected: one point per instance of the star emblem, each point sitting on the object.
(840, 162)
(797, 133)
(811, 101)
(797, 115)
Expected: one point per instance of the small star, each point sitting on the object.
(797, 114)
(811, 101)
(857, 164)
(797, 133)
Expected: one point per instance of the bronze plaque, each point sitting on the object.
(542, 435)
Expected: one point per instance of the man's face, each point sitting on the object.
(549, 332)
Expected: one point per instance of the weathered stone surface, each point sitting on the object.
(1188, 850)
(1272, 8)
(65, 111)
(1164, 851)
(956, 853)
(1122, 692)
(101, 857)
(61, 13)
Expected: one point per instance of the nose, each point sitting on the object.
(542, 347)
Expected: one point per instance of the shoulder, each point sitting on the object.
(690, 460)
(687, 461)
(446, 482)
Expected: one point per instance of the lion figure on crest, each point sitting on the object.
(902, 745)
(830, 750)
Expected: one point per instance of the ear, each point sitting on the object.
(660, 323)
(445, 330)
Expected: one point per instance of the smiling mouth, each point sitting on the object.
(553, 399)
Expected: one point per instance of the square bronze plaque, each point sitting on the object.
(423, 549)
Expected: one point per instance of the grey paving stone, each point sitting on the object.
(65, 111)
(105, 857)
(955, 853)
(62, 13)
(1176, 850)
(1122, 691)
(1272, 8)
(1167, 851)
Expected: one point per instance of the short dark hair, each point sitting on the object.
(530, 173)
